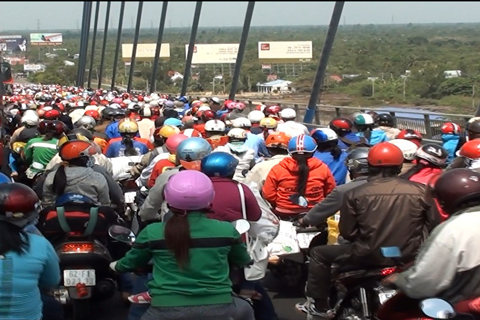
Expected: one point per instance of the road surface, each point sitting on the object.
(283, 298)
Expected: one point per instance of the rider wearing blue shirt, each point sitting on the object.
(450, 139)
(112, 130)
(343, 129)
(128, 129)
(330, 153)
(365, 123)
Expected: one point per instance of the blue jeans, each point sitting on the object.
(139, 285)
(264, 309)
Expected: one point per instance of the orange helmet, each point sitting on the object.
(278, 140)
(93, 113)
(74, 146)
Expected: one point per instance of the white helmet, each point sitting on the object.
(215, 125)
(30, 118)
(255, 116)
(237, 133)
(288, 113)
(204, 108)
(408, 148)
(241, 122)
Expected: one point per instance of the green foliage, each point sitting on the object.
(379, 51)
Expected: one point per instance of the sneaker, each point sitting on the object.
(141, 298)
(309, 308)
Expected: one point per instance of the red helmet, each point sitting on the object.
(191, 133)
(51, 114)
(271, 111)
(57, 127)
(206, 115)
(470, 149)
(450, 127)
(93, 113)
(19, 205)
(341, 125)
(43, 126)
(412, 135)
(385, 154)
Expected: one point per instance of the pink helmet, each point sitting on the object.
(231, 105)
(173, 141)
(189, 190)
(240, 106)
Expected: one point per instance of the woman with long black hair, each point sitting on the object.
(191, 255)
(298, 182)
(28, 261)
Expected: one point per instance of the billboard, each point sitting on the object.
(213, 53)
(34, 67)
(285, 51)
(46, 39)
(13, 43)
(145, 51)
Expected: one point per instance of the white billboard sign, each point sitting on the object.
(214, 53)
(145, 51)
(34, 67)
(285, 50)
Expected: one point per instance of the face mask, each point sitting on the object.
(90, 162)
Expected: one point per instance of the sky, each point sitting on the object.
(50, 16)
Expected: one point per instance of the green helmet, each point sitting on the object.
(364, 119)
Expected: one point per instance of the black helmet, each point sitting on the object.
(19, 205)
(108, 113)
(356, 160)
(433, 154)
(385, 119)
(474, 126)
(456, 187)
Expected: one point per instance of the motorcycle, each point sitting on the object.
(290, 263)
(83, 249)
(130, 189)
(357, 293)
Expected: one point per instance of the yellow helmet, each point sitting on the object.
(268, 123)
(167, 131)
(18, 146)
(127, 125)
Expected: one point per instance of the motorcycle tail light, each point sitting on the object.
(78, 248)
(388, 271)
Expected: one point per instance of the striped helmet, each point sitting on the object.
(302, 144)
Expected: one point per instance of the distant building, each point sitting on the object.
(277, 86)
(452, 73)
(272, 77)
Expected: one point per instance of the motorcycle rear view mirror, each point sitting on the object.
(241, 225)
(391, 252)
(437, 308)
(121, 234)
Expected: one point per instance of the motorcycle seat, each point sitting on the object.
(344, 271)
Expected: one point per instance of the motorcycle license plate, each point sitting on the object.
(73, 277)
(304, 239)
(130, 197)
(386, 295)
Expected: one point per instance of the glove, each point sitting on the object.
(113, 265)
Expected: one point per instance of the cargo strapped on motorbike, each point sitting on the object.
(92, 220)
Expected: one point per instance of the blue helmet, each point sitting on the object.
(4, 178)
(193, 149)
(183, 99)
(324, 135)
(302, 144)
(219, 164)
(73, 198)
(173, 122)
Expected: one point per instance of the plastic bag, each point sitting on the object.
(268, 226)
(286, 241)
(121, 166)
